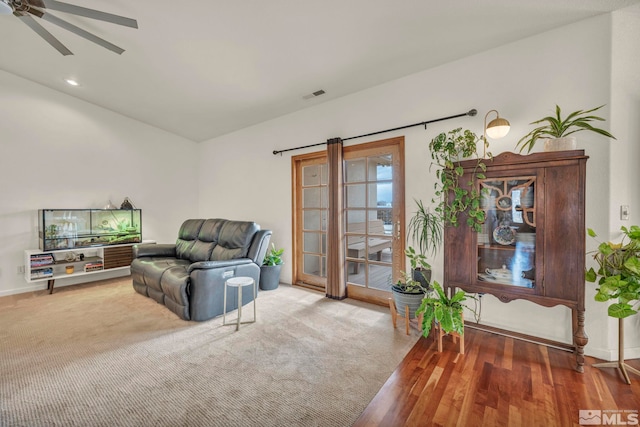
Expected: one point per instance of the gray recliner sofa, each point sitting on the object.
(188, 277)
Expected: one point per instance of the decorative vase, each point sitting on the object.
(270, 277)
(404, 299)
(560, 144)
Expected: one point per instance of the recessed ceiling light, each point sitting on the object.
(72, 82)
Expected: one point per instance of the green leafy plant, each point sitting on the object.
(557, 127)
(416, 260)
(408, 285)
(425, 229)
(447, 149)
(273, 256)
(446, 311)
(618, 273)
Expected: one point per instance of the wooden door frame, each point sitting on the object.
(378, 297)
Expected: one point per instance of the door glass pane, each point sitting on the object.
(380, 168)
(383, 195)
(380, 277)
(324, 197)
(312, 265)
(311, 175)
(311, 197)
(311, 242)
(311, 219)
(356, 220)
(355, 273)
(324, 174)
(356, 195)
(356, 247)
(355, 170)
(506, 244)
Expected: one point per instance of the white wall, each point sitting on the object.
(625, 152)
(60, 152)
(570, 66)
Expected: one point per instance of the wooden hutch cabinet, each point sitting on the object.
(532, 243)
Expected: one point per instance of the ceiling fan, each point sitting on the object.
(25, 9)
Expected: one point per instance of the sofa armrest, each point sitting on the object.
(208, 265)
(164, 250)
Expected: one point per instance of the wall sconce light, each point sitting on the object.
(495, 129)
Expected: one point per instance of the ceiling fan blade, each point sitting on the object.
(42, 32)
(80, 32)
(83, 11)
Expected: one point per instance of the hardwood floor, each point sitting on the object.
(499, 381)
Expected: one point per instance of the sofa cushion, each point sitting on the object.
(149, 270)
(207, 240)
(174, 284)
(187, 237)
(234, 240)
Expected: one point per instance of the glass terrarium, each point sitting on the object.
(72, 228)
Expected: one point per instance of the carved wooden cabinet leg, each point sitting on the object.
(580, 337)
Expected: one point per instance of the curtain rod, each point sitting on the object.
(471, 113)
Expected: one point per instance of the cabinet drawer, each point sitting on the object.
(118, 257)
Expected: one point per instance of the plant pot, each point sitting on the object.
(270, 277)
(560, 144)
(423, 276)
(404, 299)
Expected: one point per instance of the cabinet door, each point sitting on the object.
(564, 247)
(506, 255)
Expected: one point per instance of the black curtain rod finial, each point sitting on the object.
(472, 112)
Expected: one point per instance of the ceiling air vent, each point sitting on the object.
(314, 94)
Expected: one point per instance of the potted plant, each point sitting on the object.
(556, 130)
(618, 278)
(420, 268)
(407, 292)
(452, 198)
(270, 269)
(425, 229)
(447, 312)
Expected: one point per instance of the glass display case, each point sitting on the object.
(76, 228)
(507, 243)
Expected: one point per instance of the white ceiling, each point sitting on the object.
(200, 69)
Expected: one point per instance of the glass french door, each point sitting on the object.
(311, 221)
(373, 211)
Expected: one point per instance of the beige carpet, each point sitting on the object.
(102, 355)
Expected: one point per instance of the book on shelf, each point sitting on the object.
(38, 260)
(42, 272)
(93, 266)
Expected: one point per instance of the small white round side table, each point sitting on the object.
(239, 283)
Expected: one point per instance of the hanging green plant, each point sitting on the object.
(447, 150)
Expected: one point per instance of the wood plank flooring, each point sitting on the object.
(499, 381)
